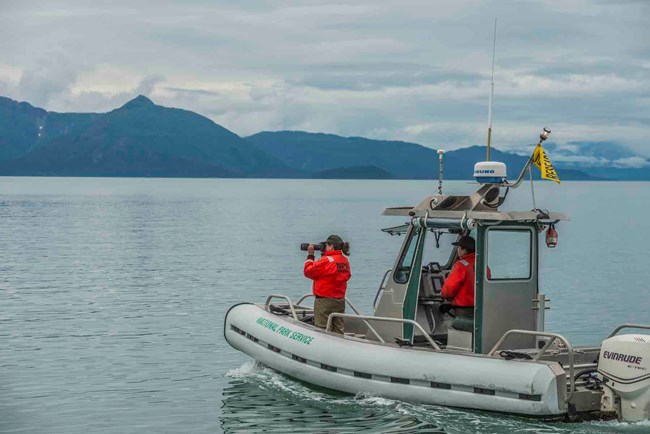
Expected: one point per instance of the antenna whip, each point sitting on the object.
(489, 137)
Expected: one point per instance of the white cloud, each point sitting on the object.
(631, 162)
(49, 77)
(591, 161)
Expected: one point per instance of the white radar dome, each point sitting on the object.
(490, 172)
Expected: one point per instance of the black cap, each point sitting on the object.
(466, 243)
(334, 239)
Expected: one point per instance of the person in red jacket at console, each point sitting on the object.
(459, 285)
(330, 275)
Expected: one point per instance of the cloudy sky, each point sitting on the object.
(414, 70)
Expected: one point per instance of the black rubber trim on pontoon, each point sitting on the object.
(400, 380)
(484, 391)
(527, 397)
(328, 367)
(225, 318)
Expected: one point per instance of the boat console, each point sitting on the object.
(433, 278)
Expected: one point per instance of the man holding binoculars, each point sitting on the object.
(330, 275)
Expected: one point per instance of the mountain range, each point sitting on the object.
(144, 139)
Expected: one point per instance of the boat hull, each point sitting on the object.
(411, 374)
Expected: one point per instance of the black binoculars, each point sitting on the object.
(317, 246)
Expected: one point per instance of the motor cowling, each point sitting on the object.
(624, 368)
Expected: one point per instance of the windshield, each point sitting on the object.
(441, 251)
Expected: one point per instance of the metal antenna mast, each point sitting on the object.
(489, 137)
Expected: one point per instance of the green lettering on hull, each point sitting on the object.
(284, 331)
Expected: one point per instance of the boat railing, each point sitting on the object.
(284, 297)
(381, 288)
(347, 300)
(628, 326)
(553, 337)
(356, 311)
(384, 319)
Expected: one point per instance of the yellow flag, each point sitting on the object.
(540, 159)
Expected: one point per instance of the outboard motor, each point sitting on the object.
(624, 368)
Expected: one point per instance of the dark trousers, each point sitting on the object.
(323, 307)
(464, 319)
(465, 312)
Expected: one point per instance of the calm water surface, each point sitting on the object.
(113, 293)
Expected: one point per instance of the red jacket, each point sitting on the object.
(330, 274)
(459, 285)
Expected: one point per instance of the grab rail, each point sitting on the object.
(628, 326)
(381, 287)
(272, 296)
(306, 296)
(381, 318)
(553, 337)
(303, 298)
(371, 328)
